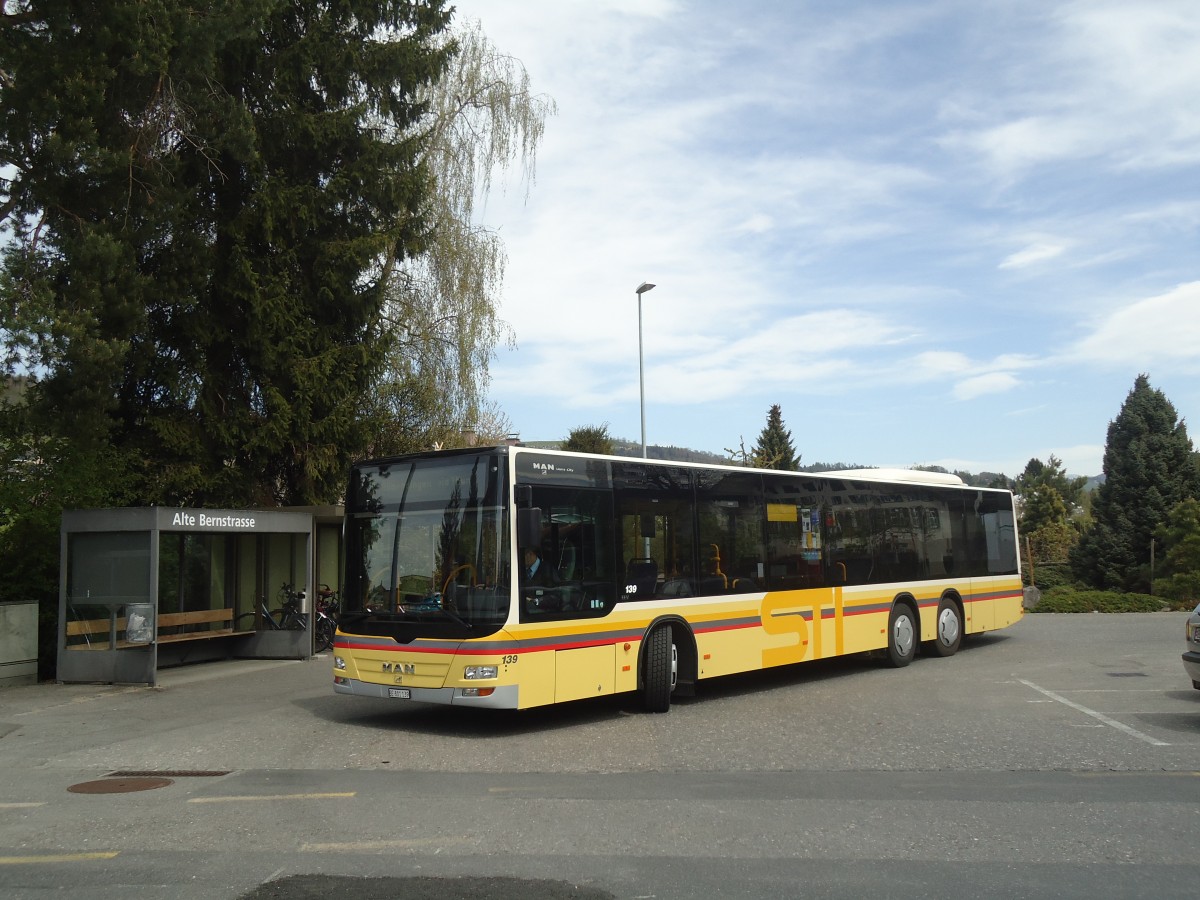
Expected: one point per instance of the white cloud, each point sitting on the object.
(1022, 143)
(868, 208)
(757, 223)
(935, 364)
(1148, 333)
(696, 365)
(973, 378)
(978, 385)
(1034, 253)
(1105, 81)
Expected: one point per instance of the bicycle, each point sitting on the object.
(325, 624)
(290, 617)
(287, 618)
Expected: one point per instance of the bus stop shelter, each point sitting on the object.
(146, 588)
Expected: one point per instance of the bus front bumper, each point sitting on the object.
(501, 697)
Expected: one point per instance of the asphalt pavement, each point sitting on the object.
(1060, 756)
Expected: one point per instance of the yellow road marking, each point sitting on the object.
(368, 846)
(243, 798)
(55, 858)
(21, 805)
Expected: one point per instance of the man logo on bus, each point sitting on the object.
(547, 468)
(400, 668)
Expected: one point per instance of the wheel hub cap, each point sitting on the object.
(904, 635)
(948, 627)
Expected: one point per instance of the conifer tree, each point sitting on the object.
(1051, 474)
(1042, 506)
(1179, 537)
(1149, 467)
(203, 206)
(774, 449)
(1045, 524)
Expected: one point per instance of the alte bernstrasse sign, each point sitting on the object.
(198, 519)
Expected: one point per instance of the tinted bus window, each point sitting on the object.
(797, 516)
(655, 533)
(900, 521)
(579, 578)
(855, 532)
(999, 545)
(729, 515)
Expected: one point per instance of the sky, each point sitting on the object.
(938, 233)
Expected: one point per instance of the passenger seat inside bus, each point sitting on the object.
(643, 573)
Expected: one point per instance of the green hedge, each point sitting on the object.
(1051, 575)
(1183, 589)
(1072, 600)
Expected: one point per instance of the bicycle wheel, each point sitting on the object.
(290, 620)
(324, 634)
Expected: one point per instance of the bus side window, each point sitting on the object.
(655, 513)
(730, 514)
(576, 548)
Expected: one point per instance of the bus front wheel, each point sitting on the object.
(661, 670)
(902, 635)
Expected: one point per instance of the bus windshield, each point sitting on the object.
(426, 543)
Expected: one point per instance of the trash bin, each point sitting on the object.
(139, 623)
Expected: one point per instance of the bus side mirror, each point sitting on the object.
(529, 527)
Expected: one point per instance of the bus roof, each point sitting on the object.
(888, 475)
(909, 476)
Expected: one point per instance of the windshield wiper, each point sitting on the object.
(433, 604)
(454, 617)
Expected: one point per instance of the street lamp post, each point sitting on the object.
(642, 288)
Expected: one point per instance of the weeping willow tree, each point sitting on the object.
(441, 304)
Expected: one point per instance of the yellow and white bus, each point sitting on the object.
(651, 576)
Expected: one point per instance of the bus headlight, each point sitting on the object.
(339, 662)
(472, 673)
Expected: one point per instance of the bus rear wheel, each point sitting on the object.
(661, 670)
(949, 629)
(902, 636)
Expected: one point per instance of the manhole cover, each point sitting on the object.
(118, 785)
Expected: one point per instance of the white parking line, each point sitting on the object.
(1120, 726)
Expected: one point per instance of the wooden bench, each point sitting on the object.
(99, 628)
(222, 617)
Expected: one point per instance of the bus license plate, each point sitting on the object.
(400, 693)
